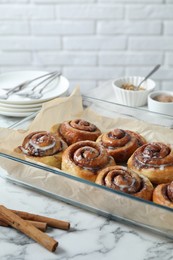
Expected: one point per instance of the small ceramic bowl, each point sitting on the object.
(133, 98)
(161, 102)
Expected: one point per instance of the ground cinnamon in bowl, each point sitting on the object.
(164, 98)
(161, 102)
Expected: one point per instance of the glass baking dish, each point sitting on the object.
(88, 195)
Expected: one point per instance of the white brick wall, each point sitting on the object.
(90, 41)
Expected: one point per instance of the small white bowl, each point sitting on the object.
(160, 106)
(133, 98)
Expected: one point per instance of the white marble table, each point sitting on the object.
(90, 237)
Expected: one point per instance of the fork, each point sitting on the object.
(37, 95)
(22, 86)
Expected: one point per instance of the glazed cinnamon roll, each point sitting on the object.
(163, 194)
(153, 160)
(121, 179)
(85, 159)
(121, 144)
(76, 130)
(44, 147)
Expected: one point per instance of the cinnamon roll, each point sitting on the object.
(85, 159)
(163, 194)
(76, 130)
(153, 160)
(44, 147)
(121, 144)
(121, 179)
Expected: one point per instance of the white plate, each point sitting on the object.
(20, 106)
(16, 114)
(14, 110)
(12, 79)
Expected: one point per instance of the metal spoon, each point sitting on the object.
(23, 85)
(148, 75)
(38, 94)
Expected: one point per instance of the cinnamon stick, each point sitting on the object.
(52, 222)
(3, 224)
(28, 229)
(40, 225)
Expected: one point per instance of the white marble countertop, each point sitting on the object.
(90, 236)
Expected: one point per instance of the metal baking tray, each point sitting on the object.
(90, 196)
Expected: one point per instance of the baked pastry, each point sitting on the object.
(121, 144)
(44, 147)
(85, 159)
(163, 194)
(120, 178)
(153, 160)
(76, 130)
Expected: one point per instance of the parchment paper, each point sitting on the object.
(78, 190)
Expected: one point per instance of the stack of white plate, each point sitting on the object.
(20, 106)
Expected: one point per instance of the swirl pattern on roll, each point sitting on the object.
(77, 130)
(121, 179)
(41, 144)
(163, 194)
(85, 159)
(120, 143)
(154, 160)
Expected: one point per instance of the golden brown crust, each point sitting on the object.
(121, 179)
(163, 194)
(44, 147)
(76, 130)
(85, 159)
(153, 160)
(121, 144)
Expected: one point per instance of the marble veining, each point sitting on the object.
(91, 236)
